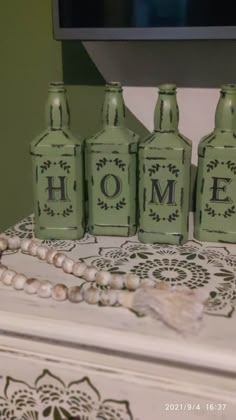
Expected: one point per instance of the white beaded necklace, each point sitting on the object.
(178, 307)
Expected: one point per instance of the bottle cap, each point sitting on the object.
(230, 88)
(167, 88)
(113, 86)
(56, 87)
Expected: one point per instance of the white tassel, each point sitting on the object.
(178, 307)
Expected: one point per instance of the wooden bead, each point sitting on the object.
(75, 294)
(58, 259)
(25, 243)
(31, 286)
(78, 269)
(50, 255)
(18, 281)
(117, 281)
(125, 298)
(108, 297)
(67, 265)
(7, 277)
(59, 292)
(3, 244)
(132, 282)
(147, 283)
(14, 242)
(103, 278)
(45, 289)
(32, 250)
(91, 295)
(41, 252)
(4, 236)
(2, 269)
(90, 273)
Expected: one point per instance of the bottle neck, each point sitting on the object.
(225, 117)
(113, 113)
(57, 110)
(166, 115)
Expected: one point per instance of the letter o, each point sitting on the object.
(105, 187)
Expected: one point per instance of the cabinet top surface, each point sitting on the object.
(117, 330)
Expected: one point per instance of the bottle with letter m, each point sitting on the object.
(164, 171)
(215, 217)
(57, 159)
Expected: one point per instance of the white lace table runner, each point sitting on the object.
(209, 266)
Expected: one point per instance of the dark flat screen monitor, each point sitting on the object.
(144, 19)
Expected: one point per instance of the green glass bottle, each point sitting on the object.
(111, 157)
(57, 159)
(215, 217)
(164, 171)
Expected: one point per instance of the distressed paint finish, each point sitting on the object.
(54, 354)
(164, 171)
(111, 157)
(57, 159)
(215, 218)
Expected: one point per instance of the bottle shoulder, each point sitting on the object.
(113, 136)
(52, 138)
(218, 139)
(164, 140)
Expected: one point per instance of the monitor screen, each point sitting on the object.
(144, 19)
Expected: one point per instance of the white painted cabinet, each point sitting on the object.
(62, 360)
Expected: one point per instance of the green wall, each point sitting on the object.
(85, 86)
(30, 58)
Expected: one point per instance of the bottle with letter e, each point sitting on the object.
(215, 217)
(58, 176)
(111, 159)
(164, 171)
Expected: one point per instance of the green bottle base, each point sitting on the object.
(59, 234)
(206, 235)
(162, 238)
(99, 230)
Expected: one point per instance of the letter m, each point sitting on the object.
(163, 195)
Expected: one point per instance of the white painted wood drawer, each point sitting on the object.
(108, 361)
(43, 379)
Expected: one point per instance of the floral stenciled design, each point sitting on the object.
(219, 300)
(68, 246)
(231, 261)
(209, 208)
(23, 229)
(50, 398)
(193, 265)
(207, 254)
(120, 202)
(174, 272)
(154, 215)
(59, 245)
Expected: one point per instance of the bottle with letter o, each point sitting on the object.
(111, 159)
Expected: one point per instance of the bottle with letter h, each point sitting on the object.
(57, 161)
(132, 184)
